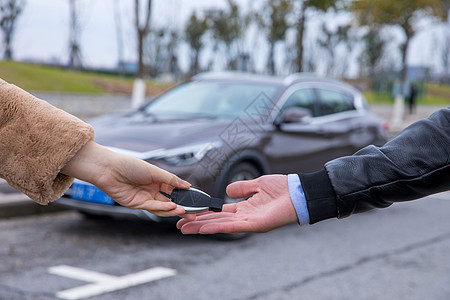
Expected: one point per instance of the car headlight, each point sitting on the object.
(185, 155)
(190, 154)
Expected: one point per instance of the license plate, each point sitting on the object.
(89, 193)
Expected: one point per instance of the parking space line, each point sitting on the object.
(80, 274)
(104, 283)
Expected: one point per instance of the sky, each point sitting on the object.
(43, 31)
(43, 28)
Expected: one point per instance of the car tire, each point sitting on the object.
(238, 172)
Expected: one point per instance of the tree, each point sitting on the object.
(142, 30)
(75, 60)
(228, 28)
(374, 46)
(171, 64)
(445, 52)
(9, 12)
(161, 51)
(119, 37)
(305, 5)
(404, 15)
(331, 42)
(274, 20)
(195, 29)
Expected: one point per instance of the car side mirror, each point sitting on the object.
(294, 115)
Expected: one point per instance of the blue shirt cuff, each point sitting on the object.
(298, 198)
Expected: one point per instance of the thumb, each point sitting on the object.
(242, 189)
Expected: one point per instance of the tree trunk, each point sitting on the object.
(399, 105)
(404, 70)
(195, 66)
(300, 34)
(8, 50)
(142, 31)
(119, 38)
(138, 95)
(271, 63)
(10, 10)
(141, 67)
(75, 58)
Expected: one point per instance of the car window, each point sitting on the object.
(303, 98)
(224, 99)
(332, 101)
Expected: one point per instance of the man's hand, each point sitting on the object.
(129, 181)
(270, 207)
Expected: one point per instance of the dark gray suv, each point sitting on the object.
(222, 127)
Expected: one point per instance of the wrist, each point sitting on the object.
(89, 164)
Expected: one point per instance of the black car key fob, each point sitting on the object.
(194, 200)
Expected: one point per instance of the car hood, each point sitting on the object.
(141, 133)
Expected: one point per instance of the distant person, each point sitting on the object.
(43, 148)
(412, 99)
(414, 164)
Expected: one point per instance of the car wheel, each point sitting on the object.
(242, 171)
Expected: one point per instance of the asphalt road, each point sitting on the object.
(402, 252)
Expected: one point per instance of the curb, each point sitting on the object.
(15, 204)
(18, 205)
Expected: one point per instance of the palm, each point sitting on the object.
(269, 207)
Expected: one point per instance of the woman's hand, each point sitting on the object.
(129, 181)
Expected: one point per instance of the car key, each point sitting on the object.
(194, 200)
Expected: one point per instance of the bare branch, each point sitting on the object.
(9, 12)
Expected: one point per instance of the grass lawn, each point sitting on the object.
(434, 94)
(33, 77)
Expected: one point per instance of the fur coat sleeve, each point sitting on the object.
(36, 141)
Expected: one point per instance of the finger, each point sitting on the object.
(181, 222)
(228, 210)
(205, 217)
(242, 189)
(231, 207)
(216, 216)
(155, 205)
(165, 188)
(160, 197)
(185, 219)
(188, 217)
(162, 176)
(170, 213)
(223, 225)
(208, 218)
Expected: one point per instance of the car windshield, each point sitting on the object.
(216, 99)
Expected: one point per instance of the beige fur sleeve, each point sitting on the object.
(36, 141)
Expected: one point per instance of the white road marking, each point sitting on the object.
(80, 274)
(104, 283)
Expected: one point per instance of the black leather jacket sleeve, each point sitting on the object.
(414, 164)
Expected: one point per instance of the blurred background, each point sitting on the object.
(377, 46)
